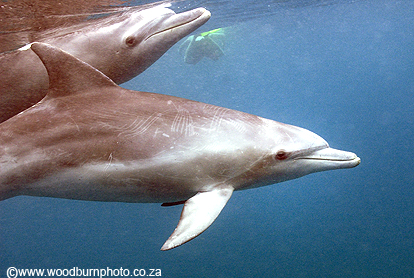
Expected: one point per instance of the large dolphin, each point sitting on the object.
(89, 139)
(121, 46)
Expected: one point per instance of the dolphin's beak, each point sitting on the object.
(185, 22)
(330, 158)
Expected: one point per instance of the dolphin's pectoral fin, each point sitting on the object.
(199, 212)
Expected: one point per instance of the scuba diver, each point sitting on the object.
(208, 44)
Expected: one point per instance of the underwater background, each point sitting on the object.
(342, 69)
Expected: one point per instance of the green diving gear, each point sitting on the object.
(210, 32)
(207, 44)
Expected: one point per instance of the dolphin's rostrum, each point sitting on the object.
(89, 139)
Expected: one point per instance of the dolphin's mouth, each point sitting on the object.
(333, 157)
(195, 18)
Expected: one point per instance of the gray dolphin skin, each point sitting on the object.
(89, 139)
(121, 46)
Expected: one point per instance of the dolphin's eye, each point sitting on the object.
(130, 41)
(281, 155)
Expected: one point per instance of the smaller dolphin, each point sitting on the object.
(121, 46)
(89, 139)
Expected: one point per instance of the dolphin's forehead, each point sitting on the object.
(146, 18)
(153, 12)
(292, 138)
(159, 9)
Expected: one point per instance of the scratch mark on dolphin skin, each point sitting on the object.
(157, 131)
(290, 138)
(139, 127)
(109, 163)
(239, 126)
(219, 113)
(77, 127)
(183, 122)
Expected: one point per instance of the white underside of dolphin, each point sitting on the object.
(89, 139)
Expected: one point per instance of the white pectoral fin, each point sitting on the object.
(198, 213)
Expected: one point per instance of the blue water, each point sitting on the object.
(345, 71)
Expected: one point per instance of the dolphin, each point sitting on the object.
(90, 139)
(121, 46)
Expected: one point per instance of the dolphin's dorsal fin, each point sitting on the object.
(199, 212)
(67, 74)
